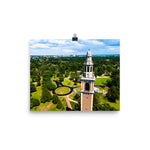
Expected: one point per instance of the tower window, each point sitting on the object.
(91, 69)
(88, 69)
(87, 86)
(84, 68)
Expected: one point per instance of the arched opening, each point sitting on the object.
(88, 69)
(91, 69)
(84, 68)
(87, 87)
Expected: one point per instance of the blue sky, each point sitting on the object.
(69, 47)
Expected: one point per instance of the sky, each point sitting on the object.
(69, 47)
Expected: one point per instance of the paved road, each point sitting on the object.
(68, 102)
(71, 89)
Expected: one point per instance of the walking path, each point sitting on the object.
(68, 102)
(103, 77)
(72, 100)
(48, 106)
(45, 108)
(71, 89)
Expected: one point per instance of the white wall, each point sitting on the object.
(32, 19)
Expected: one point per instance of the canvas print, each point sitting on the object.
(82, 75)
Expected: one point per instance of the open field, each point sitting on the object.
(67, 82)
(72, 96)
(70, 83)
(38, 93)
(101, 81)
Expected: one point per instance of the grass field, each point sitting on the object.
(115, 105)
(72, 105)
(67, 82)
(62, 90)
(38, 93)
(72, 96)
(35, 109)
(103, 99)
(70, 83)
(53, 106)
(101, 81)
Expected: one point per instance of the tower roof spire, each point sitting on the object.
(89, 53)
(88, 58)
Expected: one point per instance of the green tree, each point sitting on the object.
(103, 107)
(96, 72)
(114, 86)
(61, 78)
(55, 98)
(46, 95)
(59, 104)
(100, 71)
(34, 102)
(113, 94)
(96, 98)
(77, 107)
(67, 74)
(32, 87)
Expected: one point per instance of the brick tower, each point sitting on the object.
(87, 84)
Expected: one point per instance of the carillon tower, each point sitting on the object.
(87, 84)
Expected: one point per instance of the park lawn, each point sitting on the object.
(44, 104)
(78, 89)
(70, 83)
(100, 81)
(72, 104)
(54, 78)
(37, 94)
(72, 96)
(41, 79)
(67, 82)
(115, 105)
(64, 103)
(100, 88)
(54, 83)
(78, 85)
(35, 109)
(53, 106)
(62, 90)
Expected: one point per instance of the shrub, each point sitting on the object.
(46, 95)
(103, 107)
(55, 99)
(59, 104)
(32, 87)
(34, 102)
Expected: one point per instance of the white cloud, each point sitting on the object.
(92, 41)
(68, 50)
(59, 41)
(79, 45)
(113, 48)
(40, 46)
